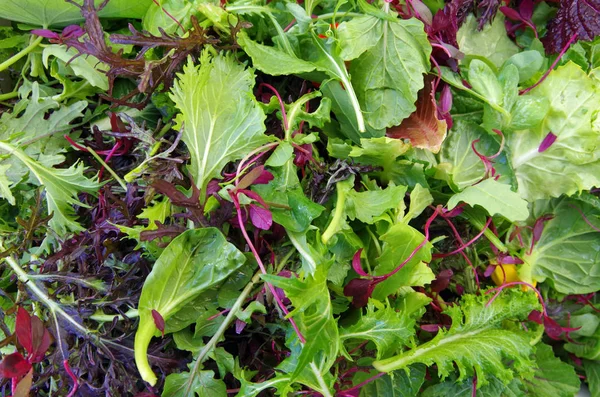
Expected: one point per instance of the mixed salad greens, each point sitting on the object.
(324, 197)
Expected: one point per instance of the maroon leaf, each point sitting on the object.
(442, 280)
(257, 176)
(423, 128)
(360, 290)
(14, 366)
(261, 217)
(146, 394)
(24, 385)
(581, 17)
(159, 321)
(32, 335)
(552, 328)
(433, 328)
(46, 33)
(356, 265)
(536, 317)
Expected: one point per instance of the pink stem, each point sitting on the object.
(460, 249)
(361, 384)
(73, 378)
(562, 52)
(511, 284)
(283, 113)
(170, 16)
(238, 209)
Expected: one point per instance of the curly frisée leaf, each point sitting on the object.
(477, 341)
(193, 262)
(221, 119)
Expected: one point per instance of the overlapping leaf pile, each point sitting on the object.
(322, 198)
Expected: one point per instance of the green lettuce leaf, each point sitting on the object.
(220, 117)
(568, 253)
(552, 377)
(477, 342)
(491, 42)
(572, 163)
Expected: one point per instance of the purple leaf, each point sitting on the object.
(552, 328)
(261, 217)
(360, 290)
(72, 32)
(46, 33)
(489, 270)
(536, 317)
(547, 142)
(159, 321)
(511, 14)
(432, 328)
(442, 280)
(526, 9)
(32, 335)
(581, 17)
(239, 326)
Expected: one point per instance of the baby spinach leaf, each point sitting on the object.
(193, 262)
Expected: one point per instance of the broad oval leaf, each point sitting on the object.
(193, 262)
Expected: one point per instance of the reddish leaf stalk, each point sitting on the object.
(560, 55)
(236, 203)
(73, 378)
(512, 284)
(463, 246)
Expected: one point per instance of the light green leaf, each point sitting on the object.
(193, 262)
(282, 153)
(5, 192)
(491, 42)
(370, 204)
(420, 198)
(387, 75)
(572, 163)
(476, 342)
(495, 197)
(205, 385)
(157, 16)
(568, 252)
(528, 63)
(62, 188)
(383, 325)
(399, 242)
(60, 13)
(552, 377)
(221, 119)
(87, 67)
(484, 81)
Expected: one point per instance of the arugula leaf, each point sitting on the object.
(495, 197)
(87, 67)
(387, 76)
(567, 252)
(477, 341)
(552, 377)
(221, 119)
(572, 162)
(193, 262)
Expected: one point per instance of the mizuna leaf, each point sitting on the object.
(495, 197)
(477, 341)
(193, 262)
(388, 75)
(422, 128)
(62, 187)
(220, 117)
(581, 17)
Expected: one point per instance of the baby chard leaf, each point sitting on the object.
(194, 261)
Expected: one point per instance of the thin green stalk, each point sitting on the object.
(15, 58)
(7, 96)
(104, 318)
(337, 216)
(110, 170)
(489, 235)
(215, 339)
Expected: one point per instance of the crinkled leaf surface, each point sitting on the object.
(193, 262)
(388, 75)
(495, 197)
(476, 342)
(581, 17)
(572, 163)
(398, 384)
(568, 252)
(221, 119)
